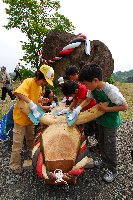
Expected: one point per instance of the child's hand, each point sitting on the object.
(103, 107)
(53, 105)
(64, 111)
(33, 108)
(44, 100)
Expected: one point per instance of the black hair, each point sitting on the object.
(89, 72)
(72, 70)
(69, 87)
(47, 92)
(39, 75)
(82, 64)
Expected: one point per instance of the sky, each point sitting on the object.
(109, 21)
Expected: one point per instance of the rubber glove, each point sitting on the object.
(63, 100)
(70, 98)
(75, 113)
(33, 108)
(64, 111)
(53, 105)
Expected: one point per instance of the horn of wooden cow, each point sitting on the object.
(48, 119)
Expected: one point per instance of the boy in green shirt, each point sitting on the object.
(91, 77)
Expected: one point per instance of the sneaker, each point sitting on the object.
(109, 176)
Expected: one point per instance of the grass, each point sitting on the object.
(127, 91)
(125, 88)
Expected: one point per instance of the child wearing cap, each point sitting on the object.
(30, 92)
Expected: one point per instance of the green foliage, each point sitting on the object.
(111, 80)
(130, 79)
(123, 76)
(35, 19)
(26, 73)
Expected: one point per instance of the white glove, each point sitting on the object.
(75, 113)
(63, 100)
(33, 107)
(64, 111)
(53, 105)
(70, 98)
(61, 80)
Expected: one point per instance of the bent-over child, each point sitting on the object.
(108, 123)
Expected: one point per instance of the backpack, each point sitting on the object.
(6, 125)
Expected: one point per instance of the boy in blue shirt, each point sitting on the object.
(91, 77)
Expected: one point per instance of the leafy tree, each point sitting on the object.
(122, 76)
(26, 73)
(35, 18)
(130, 79)
(111, 80)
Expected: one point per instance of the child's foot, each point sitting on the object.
(27, 164)
(109, 176)
(17, 171)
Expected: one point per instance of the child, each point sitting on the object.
(52, 100)
(71, 73)
(78, 92)
(30, 92)
(91, 76)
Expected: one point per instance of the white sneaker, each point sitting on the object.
(109, 176)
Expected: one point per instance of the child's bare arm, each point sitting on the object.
(45, 107)
(85, 103)
(73, 104)
(23, 97)
(43, 100)
(116, 108)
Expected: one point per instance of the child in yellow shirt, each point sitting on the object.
(30, 92)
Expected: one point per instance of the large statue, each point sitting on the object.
(57, 52)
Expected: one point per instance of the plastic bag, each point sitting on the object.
(9, 87)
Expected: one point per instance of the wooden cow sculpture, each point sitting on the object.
(58, 146)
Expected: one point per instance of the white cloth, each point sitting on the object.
(64, 111)
(75, 113)
(87, 47)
